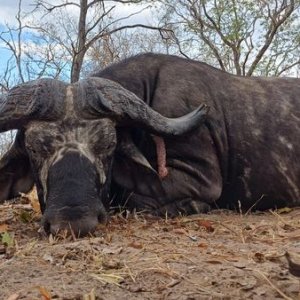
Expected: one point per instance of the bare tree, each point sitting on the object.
(243, 37)
(91, 22)
(12, 39)
(32, 55)
(124, 44)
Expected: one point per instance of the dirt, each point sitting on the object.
(221, 255)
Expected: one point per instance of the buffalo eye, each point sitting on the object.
(39, 147)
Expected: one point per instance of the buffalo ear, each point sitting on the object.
(132, 171)
(15, 171)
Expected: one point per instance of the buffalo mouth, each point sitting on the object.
(74, 203)
(76, 221)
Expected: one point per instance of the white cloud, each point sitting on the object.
(9, 10)
(142, 14)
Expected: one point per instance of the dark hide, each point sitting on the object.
(15, 175)
(68, 138)
(71, 138)
(248, 150)
(129, 160)
(74, 184)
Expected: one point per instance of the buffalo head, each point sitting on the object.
(68, 136)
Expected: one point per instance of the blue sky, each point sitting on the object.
(4, 54)
(9, 10)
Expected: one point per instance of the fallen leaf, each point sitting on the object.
(6, 216)
(90, 296)
(240, 265)
(44, 292)
(34, 201)
(112, 264)
(208, 225)
(248, 283)
(173, 282)
(214, 261)
(288, 227)
(259, 257)
(135, 245)
(293, 288)
(283, 210)
(7, 239)
(13, 297)
(203, 245)
(108, 278)
(291, 235)
(36, 206)
(248, 227)
(260, 290)
(49, 258)
(25, 216)
(180, 231)
(51, 239)
(112, 250)
(274, 256)
(2, 249)
(136, 289)
(3, 228)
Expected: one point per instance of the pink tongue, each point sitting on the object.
(161, 156)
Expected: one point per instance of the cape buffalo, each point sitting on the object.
(246, 154)
(68, 136)
(73, 138)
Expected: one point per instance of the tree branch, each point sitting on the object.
(273, 28)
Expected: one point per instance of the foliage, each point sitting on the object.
(6, 239)
(53, 40)
(81, 25)
(243, 37)
(67, 39)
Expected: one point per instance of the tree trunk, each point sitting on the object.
(80, 48)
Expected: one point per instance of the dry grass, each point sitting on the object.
(222, 255)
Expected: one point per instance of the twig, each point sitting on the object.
(227, 227)
(255, 203)
(275, 214)
(270, 283)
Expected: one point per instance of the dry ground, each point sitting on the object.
(222, 255)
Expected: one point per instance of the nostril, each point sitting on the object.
(72, 221)
(78, 228)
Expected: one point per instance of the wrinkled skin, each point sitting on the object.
(70, 160)
(72, 166)
(71, 139)
(246, 154)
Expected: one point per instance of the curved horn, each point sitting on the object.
(34, 100)
(110, 99)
